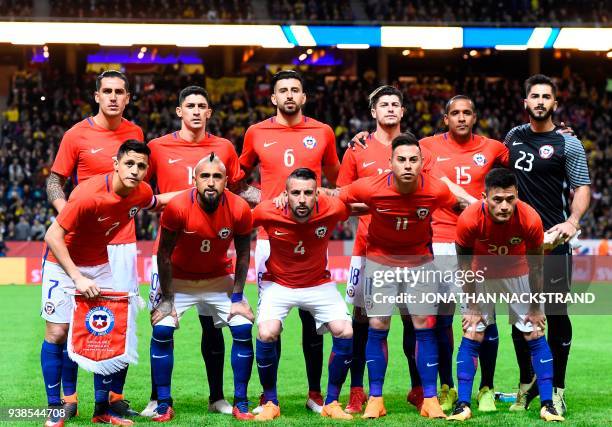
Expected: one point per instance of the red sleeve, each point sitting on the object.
(67, 155)
(140, 134)
(503, 156)
(75, 209)
(446, 199)
(234, 172)
(149, 201)
(249, 157)
(152, 170)
(343, 210)
(244, 219)
(348, 169)
(259, 215)
(172, 218)
(466, 229)
(535, 230)
(357, 192)
(330, 156)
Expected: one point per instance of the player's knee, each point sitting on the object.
(242, 333)
(268, 332)
(56, 333)
(533, 335)
(424, 321)
(163, 333)
(341, 329)
(474, 335)
(382, 323)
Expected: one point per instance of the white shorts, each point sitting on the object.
(208, 299)
(324, 302)
(122, 259)
(517, 311)
(354, 284)
(262, 253)
(56, 304)
(383, 292)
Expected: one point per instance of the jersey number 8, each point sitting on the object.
(205, 247)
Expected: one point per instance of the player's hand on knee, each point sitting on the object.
(281, 200)
(243, 309)
(359, 140)
(471, 319)
(164, 309)
(537, 318)
(87, 287)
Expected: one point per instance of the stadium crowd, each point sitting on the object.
(43, 104)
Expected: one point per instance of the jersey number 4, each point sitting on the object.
(299, 248)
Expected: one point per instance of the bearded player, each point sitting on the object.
(195, 270)
(172, 162)
(281, 144)
(502, 237)
(87, 149)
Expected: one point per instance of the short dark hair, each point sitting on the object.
(406, 138)
(192, 90)
(500, 178)
(458, 98)
(133, 145)
(540, 79)
(382, 91)
(115, 74)
(286, 74)
(303, 173)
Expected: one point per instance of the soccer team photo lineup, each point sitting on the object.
(302, 224)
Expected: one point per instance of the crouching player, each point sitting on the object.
(502, 238)
(194, 270)
(96, 211)
(296, 276)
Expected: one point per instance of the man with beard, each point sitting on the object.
(297, 276)
(281, 144)
(548, 165)
(194, 270)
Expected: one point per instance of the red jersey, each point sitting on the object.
(494, 241)
(298, 251)
(88, 149)
(94, 215)
(204, 238)
(466, 165)
(372, 161)
(172, 161)
(281, 149)
(401, 223)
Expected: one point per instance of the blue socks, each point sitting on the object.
(542, 362)
(119, 381)
(267, 366)
(339, 364)
(102, 385)
(162, 360)
(376, 359)
(444, 336)
(427, 360)
(467, 361)
(488, 355)
(242, 359)
(51, 363)
(70, 372)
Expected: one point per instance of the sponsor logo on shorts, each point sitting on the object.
(422, 213)
(225, 232)
(49, 308)
(309, 142)
(100, 321)
(350, 291)
(321, 231)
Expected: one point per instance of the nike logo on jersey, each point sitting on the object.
(173, 161)
(155, 356)
(382, 210)
(278, 233)
(557, 280)
(100, 219)
(268, 144)
(366, 164)
(188, 232)
(53, 386)
(431, 365)
(443, 159)
(516, 143)
(96, 150)
(545, 361)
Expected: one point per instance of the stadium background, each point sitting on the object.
(431, 50)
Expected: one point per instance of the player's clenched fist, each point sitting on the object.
(87, 287)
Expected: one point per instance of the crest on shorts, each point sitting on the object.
(49, 308)
(309, 142)
(133, 212)
(224, 233)
(422, 213)
(350, 291)
(515, 240)
(479, 159)
(320, 231)
(546, 151)
(100, 320)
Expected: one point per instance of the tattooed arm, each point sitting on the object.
(243, 254)
(55, 191)
(167, 242)
(249, 193)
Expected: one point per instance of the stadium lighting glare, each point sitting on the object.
(422, 37)
(303, 35)
(143, 49)
(42, 98)
(309, 51)
(538, 38)
(609, 55)
(302, 57)
(406, 52)
(140, 55)
(473, 53)
(593, 39)
(353, 46)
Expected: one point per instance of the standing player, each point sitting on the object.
(281, 144)
(399, 235)
(548, 164)
(194, 269)
(502, 237)
(297, 276)
(467, 158)
(87, 149)
(96, 213)
(173, 158)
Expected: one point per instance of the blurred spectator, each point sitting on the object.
(38, 231)
(16, 8)
(310, 10)
(22, 229)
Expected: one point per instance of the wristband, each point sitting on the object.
(236, 297)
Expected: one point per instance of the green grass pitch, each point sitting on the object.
(589, 378)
